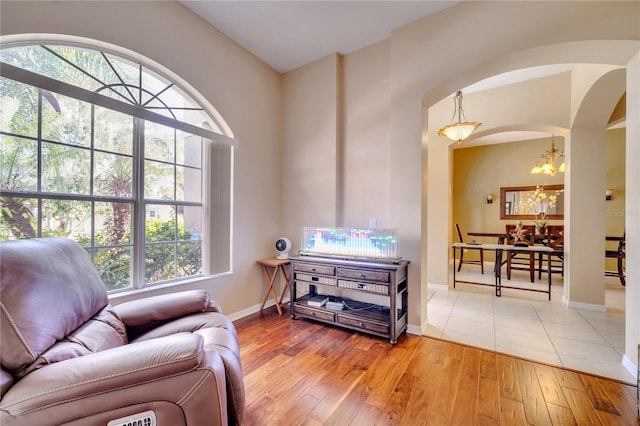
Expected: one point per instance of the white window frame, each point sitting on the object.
(217, 162)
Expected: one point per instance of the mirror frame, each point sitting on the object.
(503, 198)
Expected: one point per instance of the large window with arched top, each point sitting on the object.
(100, 148)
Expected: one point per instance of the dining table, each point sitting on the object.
(500, 249)
(501, 237)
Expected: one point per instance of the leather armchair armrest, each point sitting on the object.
(121, 367)
(165, 307)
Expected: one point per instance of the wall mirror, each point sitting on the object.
(528, 202)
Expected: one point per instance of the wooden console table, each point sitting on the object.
(353, 283)
(500, 248)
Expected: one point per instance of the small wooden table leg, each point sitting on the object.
(271, 279)
(287, 285)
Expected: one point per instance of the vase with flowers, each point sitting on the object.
(540, 203)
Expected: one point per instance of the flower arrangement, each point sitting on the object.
(540, 202)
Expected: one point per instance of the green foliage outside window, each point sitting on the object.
(66, 168)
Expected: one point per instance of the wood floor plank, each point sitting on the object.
(483, 420)
(624, 397)
(256, 378)
(305, 373)
(599, 398)
(581, 407)
(550, 386)
(393, 411)
(508, 378)
(446, 382)
(349, 409)
(388, 375)
(608, 419)
(297, 412)
(351, 405)
(488, 398)
(535, 406)
(561, 415)
(512, 412)
(340, 391)
(466, 404)
(418, 407)
(366, 415)
(310, 421)
(568, 379)
(488, 365)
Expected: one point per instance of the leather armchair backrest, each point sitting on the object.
(48, 288)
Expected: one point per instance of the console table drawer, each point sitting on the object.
(363, 324)
(357, 285)
(315, 269)
(363, 275)
(314, 279)
(315, 313)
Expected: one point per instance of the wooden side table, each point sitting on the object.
(271, 267)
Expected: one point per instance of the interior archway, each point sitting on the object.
(436, 156)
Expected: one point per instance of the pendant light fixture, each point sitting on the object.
(551, 159)
(459, 130)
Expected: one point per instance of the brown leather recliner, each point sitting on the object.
(69, 357)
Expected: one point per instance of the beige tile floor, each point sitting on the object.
(526, 324)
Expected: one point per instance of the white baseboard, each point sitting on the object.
(438, 287)
(253, 309)
(414, 329)
(586, 306)
(630, 366)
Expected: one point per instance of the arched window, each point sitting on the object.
(103, 149)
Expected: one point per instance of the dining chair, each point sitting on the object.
(519, 260)
(620, 255)
(554, 238)
(469, 261)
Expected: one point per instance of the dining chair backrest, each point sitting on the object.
(620, 255)
(622, 248)
(520, 235)
(459, 233)
(555, 236)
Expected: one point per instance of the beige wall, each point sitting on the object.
(366, 142)
(310, 141)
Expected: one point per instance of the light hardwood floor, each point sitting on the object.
(306, 373)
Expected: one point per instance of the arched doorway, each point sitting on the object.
(436, 164)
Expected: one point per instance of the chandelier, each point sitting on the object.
(462, 129)
(550, 159)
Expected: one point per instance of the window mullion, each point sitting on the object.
(139, 206)
(39, 171)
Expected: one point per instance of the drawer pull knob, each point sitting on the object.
(314, 278)
(361, 325)
(362, 275)
(313, 269)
